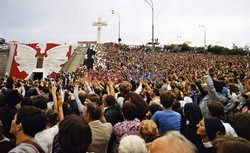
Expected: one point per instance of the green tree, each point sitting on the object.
(200, 50)
(184, 47)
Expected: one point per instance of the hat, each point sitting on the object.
(213, 125)
(193, 113)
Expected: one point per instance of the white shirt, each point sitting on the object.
(229, 129)
(50, 105)
(46, 137)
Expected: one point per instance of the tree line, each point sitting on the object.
(215, 49)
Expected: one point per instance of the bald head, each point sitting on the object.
(172, 142)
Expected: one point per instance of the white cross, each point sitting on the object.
(99, 25)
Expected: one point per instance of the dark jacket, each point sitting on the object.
(193, 116)
(113, 114)
(7, 114)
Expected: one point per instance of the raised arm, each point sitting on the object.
(53, 92)
(60, 108)
(111, 88)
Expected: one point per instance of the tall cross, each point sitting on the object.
(99, 25)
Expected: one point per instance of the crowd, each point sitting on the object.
(199, 103)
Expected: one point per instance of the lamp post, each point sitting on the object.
(152, 7)
(119, 37)
(178, 37)
(203, 26)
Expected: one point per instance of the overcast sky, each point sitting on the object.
(60, 21)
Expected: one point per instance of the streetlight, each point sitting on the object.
(204, 35)
(152, 7)
(119, 38)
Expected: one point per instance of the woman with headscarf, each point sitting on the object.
(192, 114)
(208, 128)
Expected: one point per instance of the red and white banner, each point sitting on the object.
(49, 58)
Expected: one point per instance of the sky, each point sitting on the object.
(175, 21)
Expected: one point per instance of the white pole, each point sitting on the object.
(152, 8)
(119, 25)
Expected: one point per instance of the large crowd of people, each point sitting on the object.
(131, 101)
